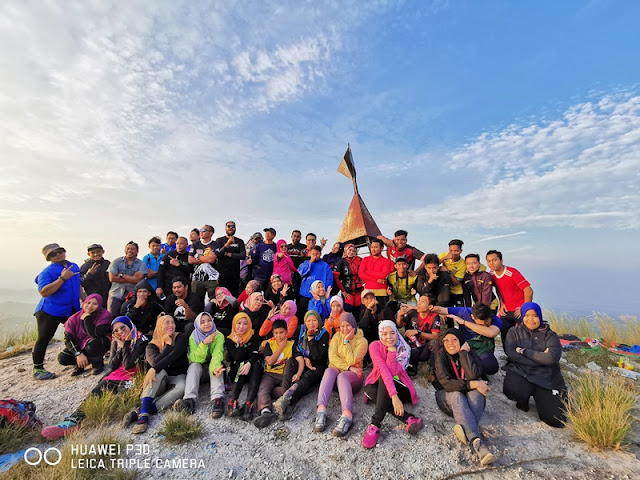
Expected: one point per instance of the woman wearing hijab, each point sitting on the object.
(336, 254)
(165, 380)
(346, 351)
(278, 292)
(320, 299)
(313, 344)
(242, 346)
(252, 287)
(127, 351)
(388, 385)
(283, 265)
(534, 352)
(85, 337)
(222, 309)
(143, 309)
(257, 310)
(206, 349)
(332, 322)
(288, 314)
(460, 393)
(346, 279)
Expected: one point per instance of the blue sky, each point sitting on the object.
(510, 125)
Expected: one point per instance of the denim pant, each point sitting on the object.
(348, 382)
(465, 407)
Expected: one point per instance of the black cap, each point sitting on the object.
(94, 245)
(401, 258)
(270, 229)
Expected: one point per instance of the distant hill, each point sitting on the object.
(14, 315)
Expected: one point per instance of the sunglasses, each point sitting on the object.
(57, 252)
(202, 230)
(231, 225)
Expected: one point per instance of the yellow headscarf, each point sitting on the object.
(247, 335)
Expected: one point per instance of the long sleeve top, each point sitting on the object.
(386, 366)
(173, 358)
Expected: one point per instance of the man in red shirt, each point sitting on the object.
(374, 270)
(398, 248)
(513, 290)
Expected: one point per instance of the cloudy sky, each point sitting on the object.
(511, 126)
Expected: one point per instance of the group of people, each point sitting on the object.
(283, 319)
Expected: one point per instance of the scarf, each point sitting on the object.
(160, 335)
(536, 308)
(303, 338)
(227, 293)
(198, 334)
(313, 288)
(403, 351)
(251, 303)
(292, 312)
(332, 258)
(75, 325)
(247, 335)
(135, 334)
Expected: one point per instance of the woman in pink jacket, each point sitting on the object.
(388, 385)
(283, 265)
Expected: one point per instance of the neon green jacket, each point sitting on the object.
(211, 353)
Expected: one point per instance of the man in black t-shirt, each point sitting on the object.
(232, 252)
(203, 256)
(173, 264)
(183, 305)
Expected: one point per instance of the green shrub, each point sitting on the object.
(179, 427)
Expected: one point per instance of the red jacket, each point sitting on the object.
(372, 269)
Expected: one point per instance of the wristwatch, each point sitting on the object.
(121, 275)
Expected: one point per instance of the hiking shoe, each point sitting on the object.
(186, 405)
(484, 455)
(370, 439)
(265, 419)
(247, 411)
(343, 426)
(141, 426)
(42, 374)
(129, 418)
(280, 405)
(412, 370)
(77, 371)
(458, 430)
(97, 370)
(60, 430)
(321, 422)
(217, 409)
(232, 408)
(414, 425)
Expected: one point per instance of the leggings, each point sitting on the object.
(378, 393)
(47, 326)
(465, 407)
(348, 382)
(94, 351)
(253, 379)
(307, 382)
(550, 407)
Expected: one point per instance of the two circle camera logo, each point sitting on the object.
(51, 456)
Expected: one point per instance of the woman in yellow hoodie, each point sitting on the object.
(346, 351)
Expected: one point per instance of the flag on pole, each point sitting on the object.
(348, 169)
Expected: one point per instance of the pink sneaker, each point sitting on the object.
(371, 437)
(60, 430)
(414, 425)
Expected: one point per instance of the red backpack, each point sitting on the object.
(20, 414)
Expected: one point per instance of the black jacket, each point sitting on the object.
(318, 350)
(173, 359)
(246, 353)
(143, 317)
(369, 321)
(440, 288)
(446, 376)
(124, 356)
(167, 272)
(98, 282)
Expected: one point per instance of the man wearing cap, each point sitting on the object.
(402, 285)
(232, 252)
(94, 274)
(203, 256)
(59, 287)
(262, 257)
(311, 270)
(124, 273)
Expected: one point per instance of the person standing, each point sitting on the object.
(374, 270)
(262, 258)
(232, 252)
(203, 255)
(94, 275)
(124, 273)
(59, 287)
(152, 261)
(453, 264)
(173, 264)
(310, 271)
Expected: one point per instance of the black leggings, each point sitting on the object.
(255, 374)
(550, 407)
(47, 326)
(308, 381)
(94, 351)
(377, 392)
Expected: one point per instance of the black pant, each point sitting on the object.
(420, 354)
(47, 326)
(508, 322)
(230, 280)
(550, 407)
(377, 392)
(200, 287)
(307, 382)
(94, 351)
(303, 306)
(253, 378)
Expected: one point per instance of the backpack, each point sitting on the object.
(20, 414)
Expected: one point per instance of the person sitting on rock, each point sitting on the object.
(534, 351)
(165, 380)
(127, 353)
(223, 307)
(85, 337)
(143, 308)
(206, 349)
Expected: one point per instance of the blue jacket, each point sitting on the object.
(310, 272)
(66, 300)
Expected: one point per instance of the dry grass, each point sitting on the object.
(599, 409)
(626, 329)
(13, 438)
(599, 356)
(178, 427)
(17, 342)
(111, 406)
(65, 469)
